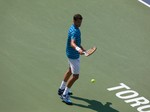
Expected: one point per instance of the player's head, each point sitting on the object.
(77, 19)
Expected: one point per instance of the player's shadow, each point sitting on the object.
(95, 105)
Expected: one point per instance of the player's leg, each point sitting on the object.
(75, 69)
(65, 96)
(63, 83)
(72, 80)
(67, 75)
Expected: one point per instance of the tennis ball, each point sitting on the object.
(92, 80)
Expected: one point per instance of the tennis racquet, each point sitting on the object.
(90, 51)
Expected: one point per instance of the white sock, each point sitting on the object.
(63, 85)
(66, 91)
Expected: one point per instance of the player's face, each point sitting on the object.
(78, 22)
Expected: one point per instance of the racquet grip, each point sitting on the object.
(85, 53)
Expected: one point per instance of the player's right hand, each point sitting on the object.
(81, 52)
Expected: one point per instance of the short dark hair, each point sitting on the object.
(77, 16)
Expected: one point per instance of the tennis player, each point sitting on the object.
(73, 52)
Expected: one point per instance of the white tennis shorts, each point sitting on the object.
(74, 64)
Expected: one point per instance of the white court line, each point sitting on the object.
(144, 3)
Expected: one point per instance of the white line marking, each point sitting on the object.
(144, 3)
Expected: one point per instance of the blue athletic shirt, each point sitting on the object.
(75, 34)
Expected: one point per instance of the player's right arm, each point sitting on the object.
(73, 44)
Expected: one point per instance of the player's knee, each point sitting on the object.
(76, 76)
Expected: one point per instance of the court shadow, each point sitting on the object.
(95, 105)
